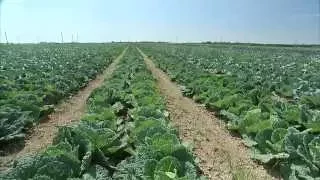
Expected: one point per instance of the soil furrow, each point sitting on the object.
(222, 156)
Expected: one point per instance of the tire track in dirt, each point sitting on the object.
(221, 155)
(65, 113)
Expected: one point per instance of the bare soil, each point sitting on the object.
(221, 155)
(65, 113)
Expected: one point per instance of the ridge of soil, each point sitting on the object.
(222, 156)
(66, 112)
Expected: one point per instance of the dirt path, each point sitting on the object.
(221, 155)
(66, 112)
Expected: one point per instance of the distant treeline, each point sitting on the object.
(260, 44)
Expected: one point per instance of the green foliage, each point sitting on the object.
(312, 101)
(168, 168)
(12, 123)
(124, 135)
(36, 77)
(262, 92)
(56, 162)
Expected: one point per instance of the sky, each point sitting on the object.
(255, 21)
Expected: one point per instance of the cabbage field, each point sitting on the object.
(124, 135)
(33, 78)
(269, 95)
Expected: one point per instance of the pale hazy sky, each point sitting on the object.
(267, 21)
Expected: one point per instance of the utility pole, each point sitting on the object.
(318, 15)
(72, 38)
(61, 37)
(5, 33)
(0, 21)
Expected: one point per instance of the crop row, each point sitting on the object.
(269, 95)
(35, 77)
(124, 135)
